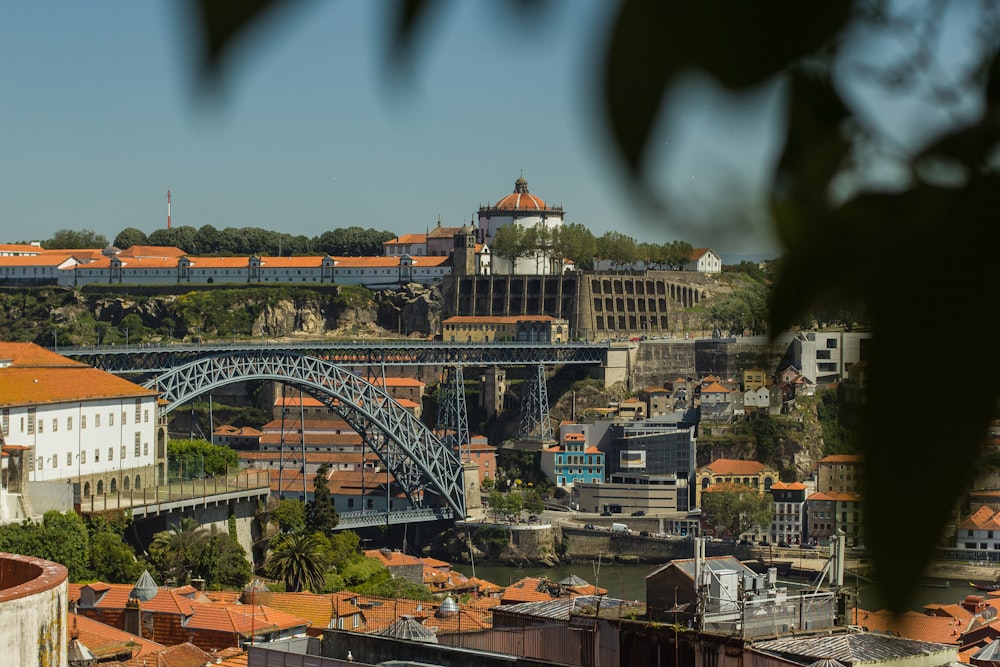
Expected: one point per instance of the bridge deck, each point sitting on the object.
(149, 359)
(181, 495)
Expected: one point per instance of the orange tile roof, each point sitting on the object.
(29, 354)
(978, 519)
(375, 262)
(913, 625)
(35, 260)
(35, 386)
(528, 589)
(166, 600)
(219, 262)
(20, 247)
(392, 558)
(314, 439)
(841, 458)
(734, 467)
(242, 619)
(243, 431)
(407, 238)
(715, 388)
(152, 251)
(303, 262)
(315, 608)
(788, 486)
(319, 425)
(105, 640)
(180, 655)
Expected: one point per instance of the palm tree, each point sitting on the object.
(175, 551)
(301, 561)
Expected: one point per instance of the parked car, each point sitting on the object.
(783, 544)
(639, 513)
(605, 513)
(532, 519)
(590, 526)
(643, 533)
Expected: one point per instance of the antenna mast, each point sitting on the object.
(168, 208)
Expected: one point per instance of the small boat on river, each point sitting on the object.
(986, 588)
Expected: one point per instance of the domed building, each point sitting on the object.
(527, 210)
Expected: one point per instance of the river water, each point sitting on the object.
(629, 582)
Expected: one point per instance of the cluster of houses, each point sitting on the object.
(702, 611)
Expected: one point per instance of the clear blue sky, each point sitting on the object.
(99, 116)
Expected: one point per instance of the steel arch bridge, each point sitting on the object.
(417, 458)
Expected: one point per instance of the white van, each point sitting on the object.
(619, 528)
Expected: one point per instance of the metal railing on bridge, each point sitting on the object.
(362, 519)
(148, 359)
(185, 493)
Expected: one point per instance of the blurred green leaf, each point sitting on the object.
(740, 44)
(223, 23)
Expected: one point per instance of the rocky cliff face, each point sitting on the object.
(71, 317)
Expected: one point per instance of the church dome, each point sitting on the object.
(521, 199)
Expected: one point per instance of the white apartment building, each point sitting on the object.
(78, 423)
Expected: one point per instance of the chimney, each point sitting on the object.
(133, 617)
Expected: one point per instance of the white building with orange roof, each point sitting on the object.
(980, 530)
(753, 474)
(20, 249)
(43, 269)
(78, 423)
(527, 211)
(145, 269)
(405, 244)
(704, 260)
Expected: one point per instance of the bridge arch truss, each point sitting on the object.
(420, 462)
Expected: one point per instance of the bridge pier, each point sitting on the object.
(453, 417)
(535, 424)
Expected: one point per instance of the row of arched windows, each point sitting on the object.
(112, 486)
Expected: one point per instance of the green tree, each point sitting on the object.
(133, 324)
(576, 242)
(510, 242)
(184, 237)
(739, 509)
(290, 515)
(62, 538)
(300, 561)
(533, 502)
(321, 515)
(129, 237)
(112, 560)
(175, 552)
(69, 239)
(222, 562)
(617, 247)
(197, 457)
(498, 503)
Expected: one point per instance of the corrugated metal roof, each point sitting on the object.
(850, 648)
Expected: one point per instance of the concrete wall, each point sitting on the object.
(214, 516)
(47, 496)
(373, 649)
(589, 544)
(33, 604)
